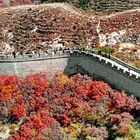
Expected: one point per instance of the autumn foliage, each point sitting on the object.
(40, 106)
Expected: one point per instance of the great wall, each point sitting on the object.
(54, 82)
(117, 73)
(30, 29)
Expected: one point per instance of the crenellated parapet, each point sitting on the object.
(34, 56)
(117, 73)
(111, 62)
(114, 64)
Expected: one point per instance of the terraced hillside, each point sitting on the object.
(110, 6)
(29, 28)
(107, 6)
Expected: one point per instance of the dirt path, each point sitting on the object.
(65, 7)
(119, 13)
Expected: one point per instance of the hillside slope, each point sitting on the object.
(27, 28)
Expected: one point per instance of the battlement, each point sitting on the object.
(111, 62)
(30, 38)
(37, 56)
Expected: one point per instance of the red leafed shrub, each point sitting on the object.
(32, 129)
(9, 80)
(84, 89)
(121, 117)
(11, 93)
(18, 110)
(26, 132)
(123, 128)
(122, 101)
(41, 107)
(62, 79)
(7, 93)
(9, 88)
(40, 121)
(37, 122)
(122, 121)
(66, 98)
(99, 89)
(10, 96)
(37, 82)
(95, 89)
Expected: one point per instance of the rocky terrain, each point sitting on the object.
(66, 108)
(102, 6)
(111, 6)
(39, 27)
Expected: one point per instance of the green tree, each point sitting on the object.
(106, 49)
(81, 3)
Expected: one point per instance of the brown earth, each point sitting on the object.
(35, 27)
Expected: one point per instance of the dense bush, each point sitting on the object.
(66, 108)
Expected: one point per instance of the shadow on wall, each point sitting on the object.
(101, 71)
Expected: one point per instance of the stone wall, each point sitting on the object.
(51, 66)
(101, 71)
(119, 75)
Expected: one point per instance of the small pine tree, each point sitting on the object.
(106, 49)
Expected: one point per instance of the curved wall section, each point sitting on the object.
(118, 74)
(102, 71)
(22, 68)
